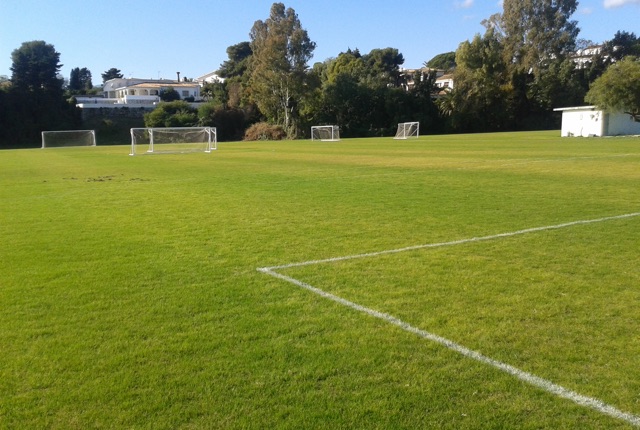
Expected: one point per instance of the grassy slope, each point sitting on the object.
(130, 296)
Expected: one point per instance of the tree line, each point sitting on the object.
(509, 78)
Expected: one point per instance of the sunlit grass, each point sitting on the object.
(131, 299)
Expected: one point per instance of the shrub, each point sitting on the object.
(230, 122)
(264, 131)
(172, 114)
(169, 95)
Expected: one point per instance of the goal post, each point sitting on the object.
(64, 138)
(325, 133)
(408, 130)
(156, 140)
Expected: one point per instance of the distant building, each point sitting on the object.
(209, 78)
(584, 57)
(408, 76)
(588, 121)
(134, 92)
(445, 81)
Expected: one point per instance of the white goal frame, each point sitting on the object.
(325, 133)
(70, 138)
(153, 136)
(408, 130)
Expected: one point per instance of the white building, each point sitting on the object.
(209, 78)
(589, 121)
(445, 81)
(134, 92)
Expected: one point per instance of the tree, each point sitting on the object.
(346, 63)
(622, 45)
(618, 89)
(112, 73)
(35, 100)
(383, 66)
(80, 80)
(538, 36)
(281, 49)
(538, 31)
(35, 68)
(479, 98)
(216, 93)
(238, 61)
(444, 61)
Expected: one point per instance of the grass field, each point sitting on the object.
(450, 282)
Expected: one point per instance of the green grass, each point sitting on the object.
(130, 294)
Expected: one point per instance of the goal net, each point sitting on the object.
(62, 138)
(325, 133)
(155, 140)
(407, 130)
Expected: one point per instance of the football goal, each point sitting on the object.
(62, 138)
(156, 140)
(325, 133)
(408, 130)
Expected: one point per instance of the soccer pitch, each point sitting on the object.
(450, 282)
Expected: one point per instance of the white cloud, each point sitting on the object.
(608, 4)
(586, 11)
(464, 4)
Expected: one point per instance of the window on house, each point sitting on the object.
(185, 93)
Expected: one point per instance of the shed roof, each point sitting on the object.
(575, 108)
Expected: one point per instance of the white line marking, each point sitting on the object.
(451, 243)
(589, 402)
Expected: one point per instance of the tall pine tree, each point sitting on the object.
(281, 50)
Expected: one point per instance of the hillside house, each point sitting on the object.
(209, 78)
(134, 92)
(407, 77)
(445, 81)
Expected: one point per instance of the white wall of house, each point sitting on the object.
(209, 78)
(588, 121)
(445, 81)
(622, 124)
(581, 121)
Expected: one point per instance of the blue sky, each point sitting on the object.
(152, 39)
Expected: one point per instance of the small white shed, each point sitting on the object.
(588, 121)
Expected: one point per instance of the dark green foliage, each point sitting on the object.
(34, 101)
(112, 73)
(444, 61)
(622, 45)
(383, 66)
(35, 68)
(230, 123)
(215, 93)
(618, 89)
(278, 68)
(113, 130)
(80, 81)
(172, 114)
(238, 60)
(169, 95)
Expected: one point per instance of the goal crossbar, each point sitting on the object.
(173, 139)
